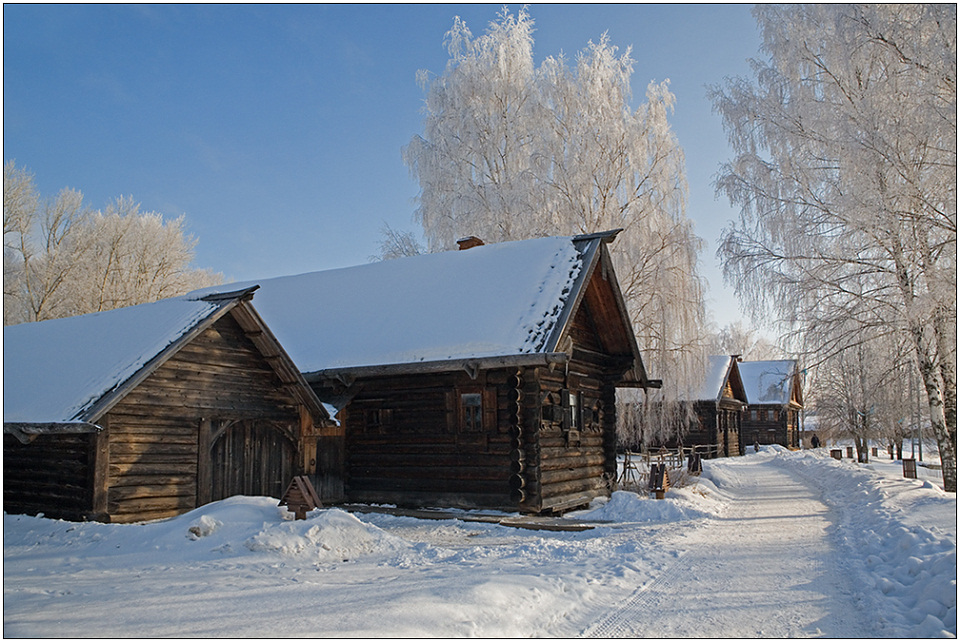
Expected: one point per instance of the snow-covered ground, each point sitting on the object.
(773, 544)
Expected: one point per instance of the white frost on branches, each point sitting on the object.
(510, 150)
(62, 259)
(845, 171)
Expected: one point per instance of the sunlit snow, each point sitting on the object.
(244, 567)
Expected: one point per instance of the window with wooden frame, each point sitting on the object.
(572, 416)
(476, 409)
(471, 412)
(376, 420)
(575, 418)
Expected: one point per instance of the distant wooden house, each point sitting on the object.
(718, 408)
(149, 411)
(477, 378)
(775, 399)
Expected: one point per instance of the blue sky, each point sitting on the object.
(277, 129)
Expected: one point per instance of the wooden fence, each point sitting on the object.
(635, 473)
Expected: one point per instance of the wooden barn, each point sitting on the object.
(775, 399)
(149, 411)
(479, 378)
(719, 407)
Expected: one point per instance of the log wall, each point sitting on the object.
(405, 442)
(50, 475)
(572, 460)
(781, 426)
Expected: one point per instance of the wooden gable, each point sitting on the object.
(727, 390)
(599, 329)
(215, 419)
(733, 386)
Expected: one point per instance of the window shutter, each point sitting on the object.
(490, 410)
(452, 401)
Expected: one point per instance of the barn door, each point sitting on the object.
(249, 457)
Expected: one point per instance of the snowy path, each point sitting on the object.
(765, 569)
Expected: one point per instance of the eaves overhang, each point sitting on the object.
(471, 365)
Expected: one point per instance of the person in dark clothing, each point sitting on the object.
(815, 441)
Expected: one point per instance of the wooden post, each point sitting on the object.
(910, 468)
(100, 460)
(204, 471)
(659, 480)
(694, 464)
(300, 497)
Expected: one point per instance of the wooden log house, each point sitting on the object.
(718, 409)
(147, 412)
(481, 378)
(775, 399)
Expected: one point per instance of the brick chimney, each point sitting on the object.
(468, 241)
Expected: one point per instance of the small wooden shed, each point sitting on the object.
(718, 408)
(479, 378)
(775, 399)
(149, 411)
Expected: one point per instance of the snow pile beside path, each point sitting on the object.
(326, 535)
(901, 539)
(695, 501)
(234, 527)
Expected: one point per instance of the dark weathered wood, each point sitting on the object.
(407, 441)
(204, 461)
(25, 432)
(910, 468)
(99, 459)
(49, 475)
(161, 454)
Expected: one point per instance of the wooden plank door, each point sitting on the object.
(250, 457)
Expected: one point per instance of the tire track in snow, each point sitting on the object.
(619, 623)
(765, 569)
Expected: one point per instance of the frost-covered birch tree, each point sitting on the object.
(510, 150)
(395, 244)
(739, 339)
(61, 258)
(845, 171)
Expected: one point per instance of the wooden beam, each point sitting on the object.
(25, 432)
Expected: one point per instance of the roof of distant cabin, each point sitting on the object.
(68, 370)
(768, 382)
(718, 367)
(495, 300)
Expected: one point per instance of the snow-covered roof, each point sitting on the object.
(55, 370)
(718, 366)
(63, 374)
(495, 300)
(489, 301)
(768, 382)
